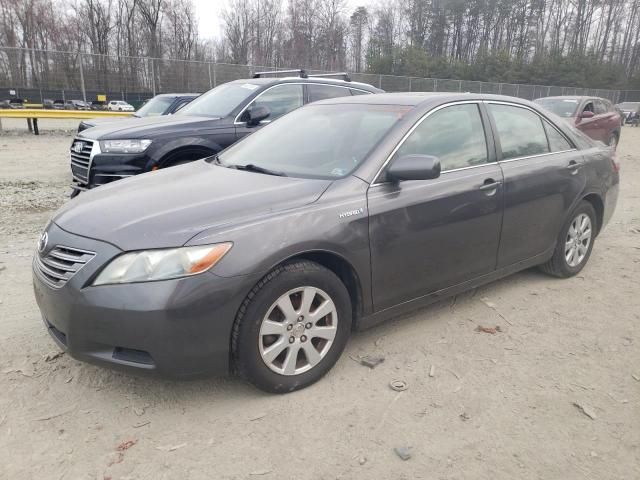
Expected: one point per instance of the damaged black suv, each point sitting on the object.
(204, 127)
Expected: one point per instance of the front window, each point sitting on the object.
(454, 134)
(154, 107)
(220, 101)
(279, 100)
(318, 141)
(563, 107)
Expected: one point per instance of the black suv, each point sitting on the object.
(163, 104)
(203, 128)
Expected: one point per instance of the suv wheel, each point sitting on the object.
(574, 244)
(292, 327)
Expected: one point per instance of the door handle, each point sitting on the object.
(489, 184)
(574, 166)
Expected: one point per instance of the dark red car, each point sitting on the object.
(596, 117)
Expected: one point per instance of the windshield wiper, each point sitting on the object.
(250, 167)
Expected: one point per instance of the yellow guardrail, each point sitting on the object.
(39, 113)
(32, 115)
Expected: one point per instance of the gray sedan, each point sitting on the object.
(262, 260)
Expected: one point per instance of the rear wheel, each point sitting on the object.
(574, 244)
(292, 327)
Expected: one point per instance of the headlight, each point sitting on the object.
(124, 146)
(149, 265)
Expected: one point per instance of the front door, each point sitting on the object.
(432, 234)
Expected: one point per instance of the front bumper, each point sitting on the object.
(175, 328)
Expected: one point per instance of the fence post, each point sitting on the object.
(153, 77)
(210, 80)
(517, 90)
(435, 84)
(84, 92)
(410, 84)
(215, 79)
(459, 85)
(380, 82)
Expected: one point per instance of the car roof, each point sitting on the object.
(267, 81)
(415, 99)
(173, 95)
(579, 98)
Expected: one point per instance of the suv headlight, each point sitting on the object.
(165, 264)
(124, 146)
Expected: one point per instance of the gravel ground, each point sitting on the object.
(497, 406)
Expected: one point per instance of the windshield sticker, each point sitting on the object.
(249, 86)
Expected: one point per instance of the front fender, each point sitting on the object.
(158, 153)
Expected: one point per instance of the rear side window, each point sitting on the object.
(358, 92)
(454, 134)
(322, 92)
(520, 131)
(557, 142)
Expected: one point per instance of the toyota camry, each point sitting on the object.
(263, 260)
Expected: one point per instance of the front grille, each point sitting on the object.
(81, 162)
(61, 263)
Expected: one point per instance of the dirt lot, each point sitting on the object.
(497, 406)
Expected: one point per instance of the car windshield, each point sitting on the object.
(220, 101)
(563, 107)
(317, 141)
(629, 106)
(154, 107)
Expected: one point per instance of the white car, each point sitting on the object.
(120, 106)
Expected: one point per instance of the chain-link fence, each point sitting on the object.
(37, 75)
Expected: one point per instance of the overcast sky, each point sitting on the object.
(210, 21)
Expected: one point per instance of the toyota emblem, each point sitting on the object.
(77, 147)
(42, 243)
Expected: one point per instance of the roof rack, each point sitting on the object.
(301, 72)
(345, 76)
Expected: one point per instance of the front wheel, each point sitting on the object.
(292, 328)
(574, 244)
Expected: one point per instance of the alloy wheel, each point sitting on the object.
(578, 240)
(298, 330)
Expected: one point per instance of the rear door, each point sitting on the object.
(543, 176)
(427, 235)
(318, 91)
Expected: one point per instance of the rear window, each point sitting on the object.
(563, 107)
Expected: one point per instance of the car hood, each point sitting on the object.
(168, 207)
(150, 127)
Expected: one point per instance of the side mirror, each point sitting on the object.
(414, 167)
(587, 114)
(256, 114)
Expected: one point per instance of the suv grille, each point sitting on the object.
(60, 264)
(81, 161)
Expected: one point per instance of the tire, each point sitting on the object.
(612, 141)
(120, 109)
(266, 360)
(563, 265)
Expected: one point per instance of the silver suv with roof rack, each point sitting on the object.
(204, 127)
